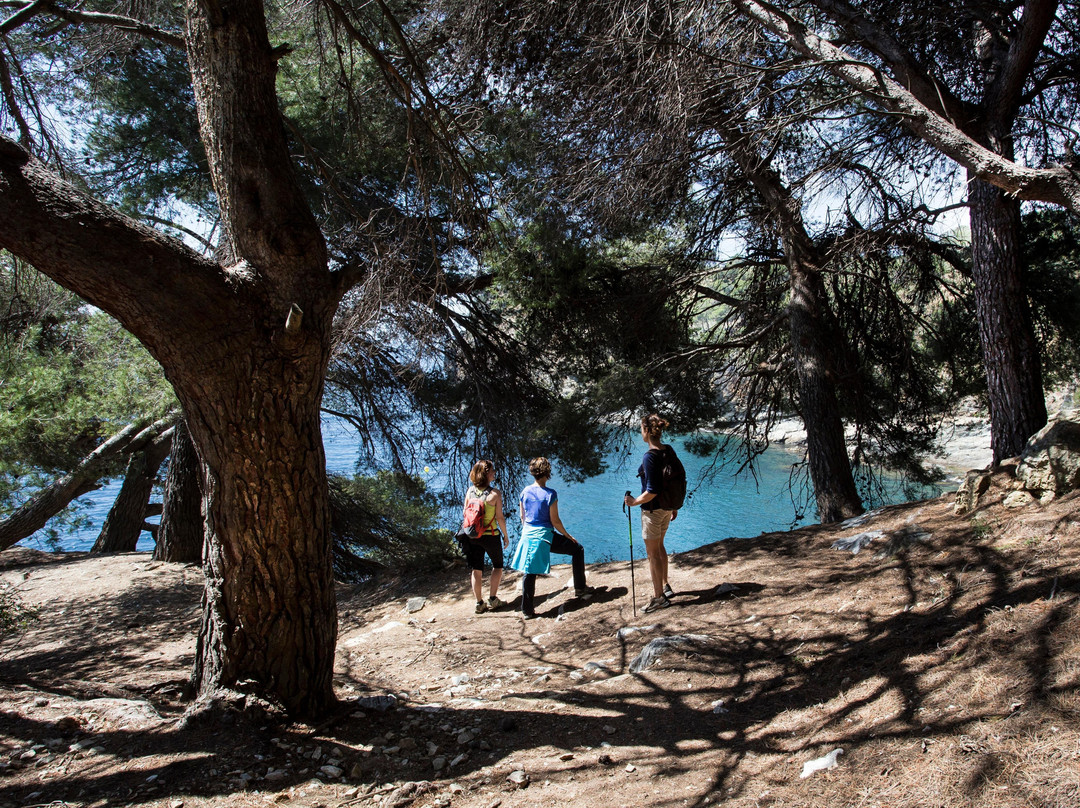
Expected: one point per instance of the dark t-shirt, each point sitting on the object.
(651, 472)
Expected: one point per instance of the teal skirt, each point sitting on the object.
(533, 553)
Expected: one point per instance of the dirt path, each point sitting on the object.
(947, 670)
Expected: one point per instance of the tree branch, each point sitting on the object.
(907, 69)
(150, 282)
(31, 10)
(1057, 185)
(1006, 93)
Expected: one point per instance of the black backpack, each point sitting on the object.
(673, 494)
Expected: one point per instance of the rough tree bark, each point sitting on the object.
(245, 345)
(1010, 348)
(180, 537)
(32, 515)
(125, 520)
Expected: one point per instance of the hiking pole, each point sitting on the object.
(630, 529)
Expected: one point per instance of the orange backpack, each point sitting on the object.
(473, 525)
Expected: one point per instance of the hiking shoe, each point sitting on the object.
(481, 607)
(494, 603)
(668, 591)
(585, 593)
(657, 603)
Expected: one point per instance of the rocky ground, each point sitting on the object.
(943, 660)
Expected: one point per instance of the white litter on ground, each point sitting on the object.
(820, 764)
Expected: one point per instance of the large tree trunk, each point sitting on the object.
(814, 336)
(1010, 348)
(269, 609)
(126, 518)
(245, 346)
(43, 506)
(812, 346)
(180, 537)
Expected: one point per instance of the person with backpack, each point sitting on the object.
(543, 533)
(663, 489)
(483, 531)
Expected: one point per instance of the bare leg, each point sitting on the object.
(478, 583)
(657, 565)
(496, 579)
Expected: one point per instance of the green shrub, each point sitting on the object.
(389, 521)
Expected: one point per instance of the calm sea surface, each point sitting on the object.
(720, 508)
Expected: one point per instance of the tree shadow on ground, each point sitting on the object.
(799, 675)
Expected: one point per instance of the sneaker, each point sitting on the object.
(528, 615)
(668, 591)
(494, 603)
(481, 607)
(657, 603)
(584, 594)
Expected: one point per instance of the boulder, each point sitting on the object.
(1050, 463)
(967, 495)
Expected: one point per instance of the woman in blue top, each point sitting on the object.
(543, 533)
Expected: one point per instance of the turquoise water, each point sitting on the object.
(717, 508)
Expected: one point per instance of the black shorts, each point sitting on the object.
(474, 550)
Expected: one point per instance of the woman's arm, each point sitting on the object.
(646, 496)
(553, 513)
(500, 517)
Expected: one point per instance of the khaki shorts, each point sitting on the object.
(654, 524)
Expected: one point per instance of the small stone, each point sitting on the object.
(460, 679)
(459, 759)
(276, 775)
(1017, 499)
(518, 778)
(349, 793)
(176, 804)
(41, 701)
(438, 763)
(566, 756)
(455, 788)
(407, 744)
(507, 724)
(610, 730)
(378, 703)
(432, 749)
(67, 725)
(464, 737)
(630, 767)
(605, 760)
(486, 746)
(415, 605)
